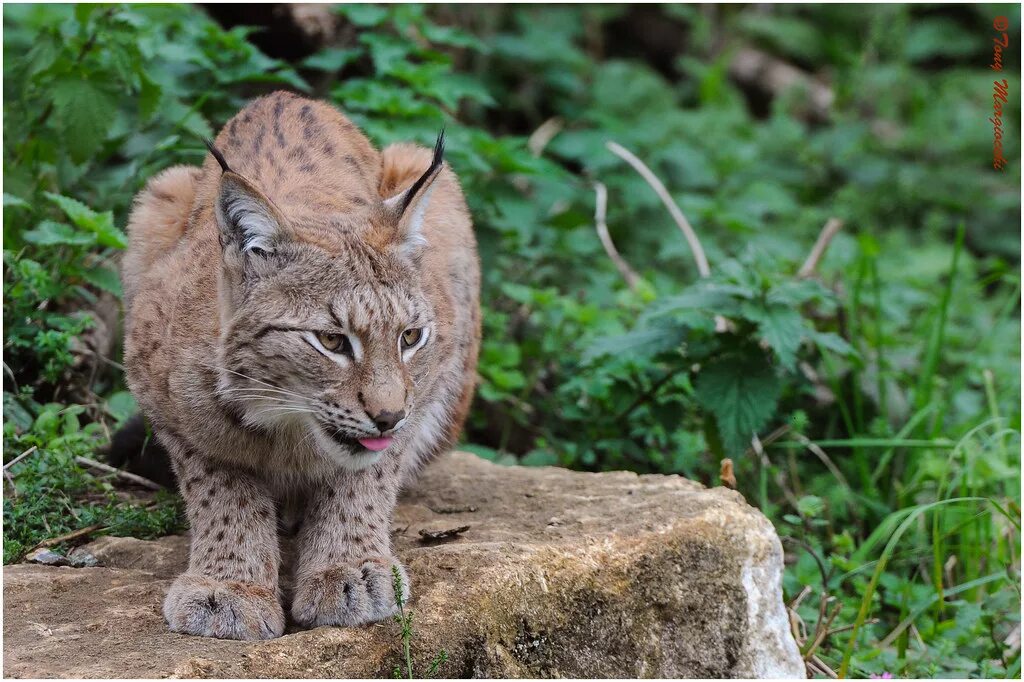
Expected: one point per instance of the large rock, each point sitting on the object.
(559, 574)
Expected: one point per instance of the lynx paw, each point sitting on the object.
(354, 594)
(196, 605)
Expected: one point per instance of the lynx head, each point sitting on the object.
(326, 338)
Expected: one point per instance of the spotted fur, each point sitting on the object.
(296, 225)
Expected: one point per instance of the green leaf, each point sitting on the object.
(84, 10)
(810, 506)
(100, 224)
(782, 328)
(84, 113)
(711, 297)
(387, 51)
(450, 35)
(15, 202)
(364, 15)
(490, 454)
(796, 292)
(104, 278)
(539, 458)
(150, 95)
(640, 342)
(506, 379)
(331, 59)
(121, 406)
(834, 343)
(50, 233)
(742, 393)
(42, 56)
(15, 412)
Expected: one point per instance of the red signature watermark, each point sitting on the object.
(1000, 90)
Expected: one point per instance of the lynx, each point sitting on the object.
(302, 329)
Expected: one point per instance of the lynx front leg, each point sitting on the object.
(230, 588)
(344, 572)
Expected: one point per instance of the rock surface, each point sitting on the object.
(559, 574)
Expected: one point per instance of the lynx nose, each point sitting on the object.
(386, 421)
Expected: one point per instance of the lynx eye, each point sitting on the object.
(332, 342)
(410, 337)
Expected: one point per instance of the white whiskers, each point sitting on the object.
(246, 376)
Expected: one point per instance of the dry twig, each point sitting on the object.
(124, 475)
(10, 480)
(20, 457)
(721, 324)
(600, 214)
(825, 459)
(659, 188)
(824, 669)
(67, 537)
(542, 136)
(822, 629)
(800, 597)
(831, 229)
(428, 536)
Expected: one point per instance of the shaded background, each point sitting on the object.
(869, 400)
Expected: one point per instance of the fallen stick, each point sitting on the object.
(825, 459)
(20, 457)
(721, 324)
(659, 188)
(600, 223)
(820, 664)
(831, 229)
(10, 480)
(543, 135)
(67, 537)
(133, 478)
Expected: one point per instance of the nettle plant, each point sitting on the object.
(97, 98)
(732, 343)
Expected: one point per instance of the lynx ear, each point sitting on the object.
(246, 217)
(407, 209)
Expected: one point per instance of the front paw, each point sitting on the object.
(347, 595)
(197, 605)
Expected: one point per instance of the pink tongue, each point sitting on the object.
(375, 444)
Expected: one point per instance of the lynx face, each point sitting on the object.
(329, 340)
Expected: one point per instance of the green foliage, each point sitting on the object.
(96, 99)
(882, 389)
(53, 495)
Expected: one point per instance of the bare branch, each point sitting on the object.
(10, 481)
(684, 225)
(20, 457)
(831, 229)
(73, 535)
(600, 213)
(542, 136)
(124, 475)
(823, 668)
(825, 459)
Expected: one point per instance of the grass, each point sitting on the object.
(969, 526)
(404, 620)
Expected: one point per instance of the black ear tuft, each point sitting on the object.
(435, 166)
(217, 155)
